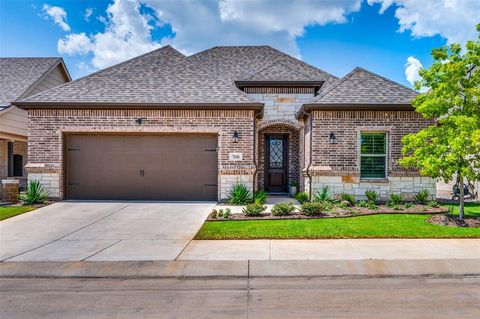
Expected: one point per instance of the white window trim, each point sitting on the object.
(359, 153)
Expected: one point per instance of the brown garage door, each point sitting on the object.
(143, 167)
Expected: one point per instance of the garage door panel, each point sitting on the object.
(157, 167)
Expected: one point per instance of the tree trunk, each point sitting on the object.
(462, 200)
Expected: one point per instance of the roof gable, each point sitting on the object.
(240, 62)
(18, 75)
(160, 77)
(281, 72)
(364, 87)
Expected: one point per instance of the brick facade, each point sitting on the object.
(337, 165)
(47, 128)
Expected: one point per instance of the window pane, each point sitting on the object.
(373, 143)
(276, 153)
(372, 167)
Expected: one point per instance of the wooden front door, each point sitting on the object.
(276, 163)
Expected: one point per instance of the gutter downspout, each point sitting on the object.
(309, 118)
(255, 173)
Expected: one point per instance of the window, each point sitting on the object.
(373, 155)
(17, 165)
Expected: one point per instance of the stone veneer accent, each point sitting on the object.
(337, 165)
(281, 106)
(47, 128)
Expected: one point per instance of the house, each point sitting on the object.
(20, 78)
(164, 126)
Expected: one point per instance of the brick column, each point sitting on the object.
(10, 190)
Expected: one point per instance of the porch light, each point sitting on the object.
(235, 137)
(140, 120)
(332, 138)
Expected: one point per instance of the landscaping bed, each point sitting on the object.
(446, 220)
(338, 212)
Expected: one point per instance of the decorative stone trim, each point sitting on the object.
(279, 122)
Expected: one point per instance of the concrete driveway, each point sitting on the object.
(102, 231)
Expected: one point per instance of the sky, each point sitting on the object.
(390, 37)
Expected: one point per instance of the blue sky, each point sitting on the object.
(335, 36)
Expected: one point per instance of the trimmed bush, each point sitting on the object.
(260, 197)
(371, 196)
(34, 194)
(302, 197)
(422, 196)
(283, 209)
(395, 200)
(254, 209)
(227, 213)
(433, 204)
(214, 214)
(323, 195)
(349, 198)
(312, 209)
(239, 195)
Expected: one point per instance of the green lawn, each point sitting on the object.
(375, 226)
(10, 211)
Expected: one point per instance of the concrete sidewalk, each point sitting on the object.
(332, 249)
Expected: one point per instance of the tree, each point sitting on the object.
(451, 147)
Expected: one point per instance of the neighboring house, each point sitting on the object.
(20, 78)
(164, 126)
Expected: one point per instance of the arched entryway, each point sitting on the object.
(278, 155)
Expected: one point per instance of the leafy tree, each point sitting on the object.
(451, 147)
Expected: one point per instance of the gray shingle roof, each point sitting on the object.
(17, 75)
(161, 77)
(364, 87)
(235, 63)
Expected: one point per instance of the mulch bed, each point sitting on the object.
(445, 220)
(342, 213)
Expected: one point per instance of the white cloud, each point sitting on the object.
(74, 44)
(454, 20)
(127, 34)
(87, 14)
(290, 16)
(58, 15)
(412, 67)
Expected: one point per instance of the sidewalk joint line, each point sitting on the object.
(101, 250)
(73, 232)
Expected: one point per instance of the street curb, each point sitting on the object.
(241, 269)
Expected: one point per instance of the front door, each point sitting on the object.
(276, 163)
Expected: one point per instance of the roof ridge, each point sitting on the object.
(30, 57)
(329, 89)
(301, 61)
(273, 64)
(384, 78)
(220, 80)
(101, 71)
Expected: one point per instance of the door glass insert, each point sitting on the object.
(276, 153)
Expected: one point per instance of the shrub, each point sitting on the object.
(323, 195)
(311, 209)
(302, 197)
(409, 205)
(283, 209)
(214, 214)
(422, 196)
(239, 195)
(371, 196)
(433, 204)
(34, 194)
(344, 204)
(349, 198)
(260, 197)
(372, 205)
(362, 203)
(254, 209)
(395, 200)
(227, 213)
